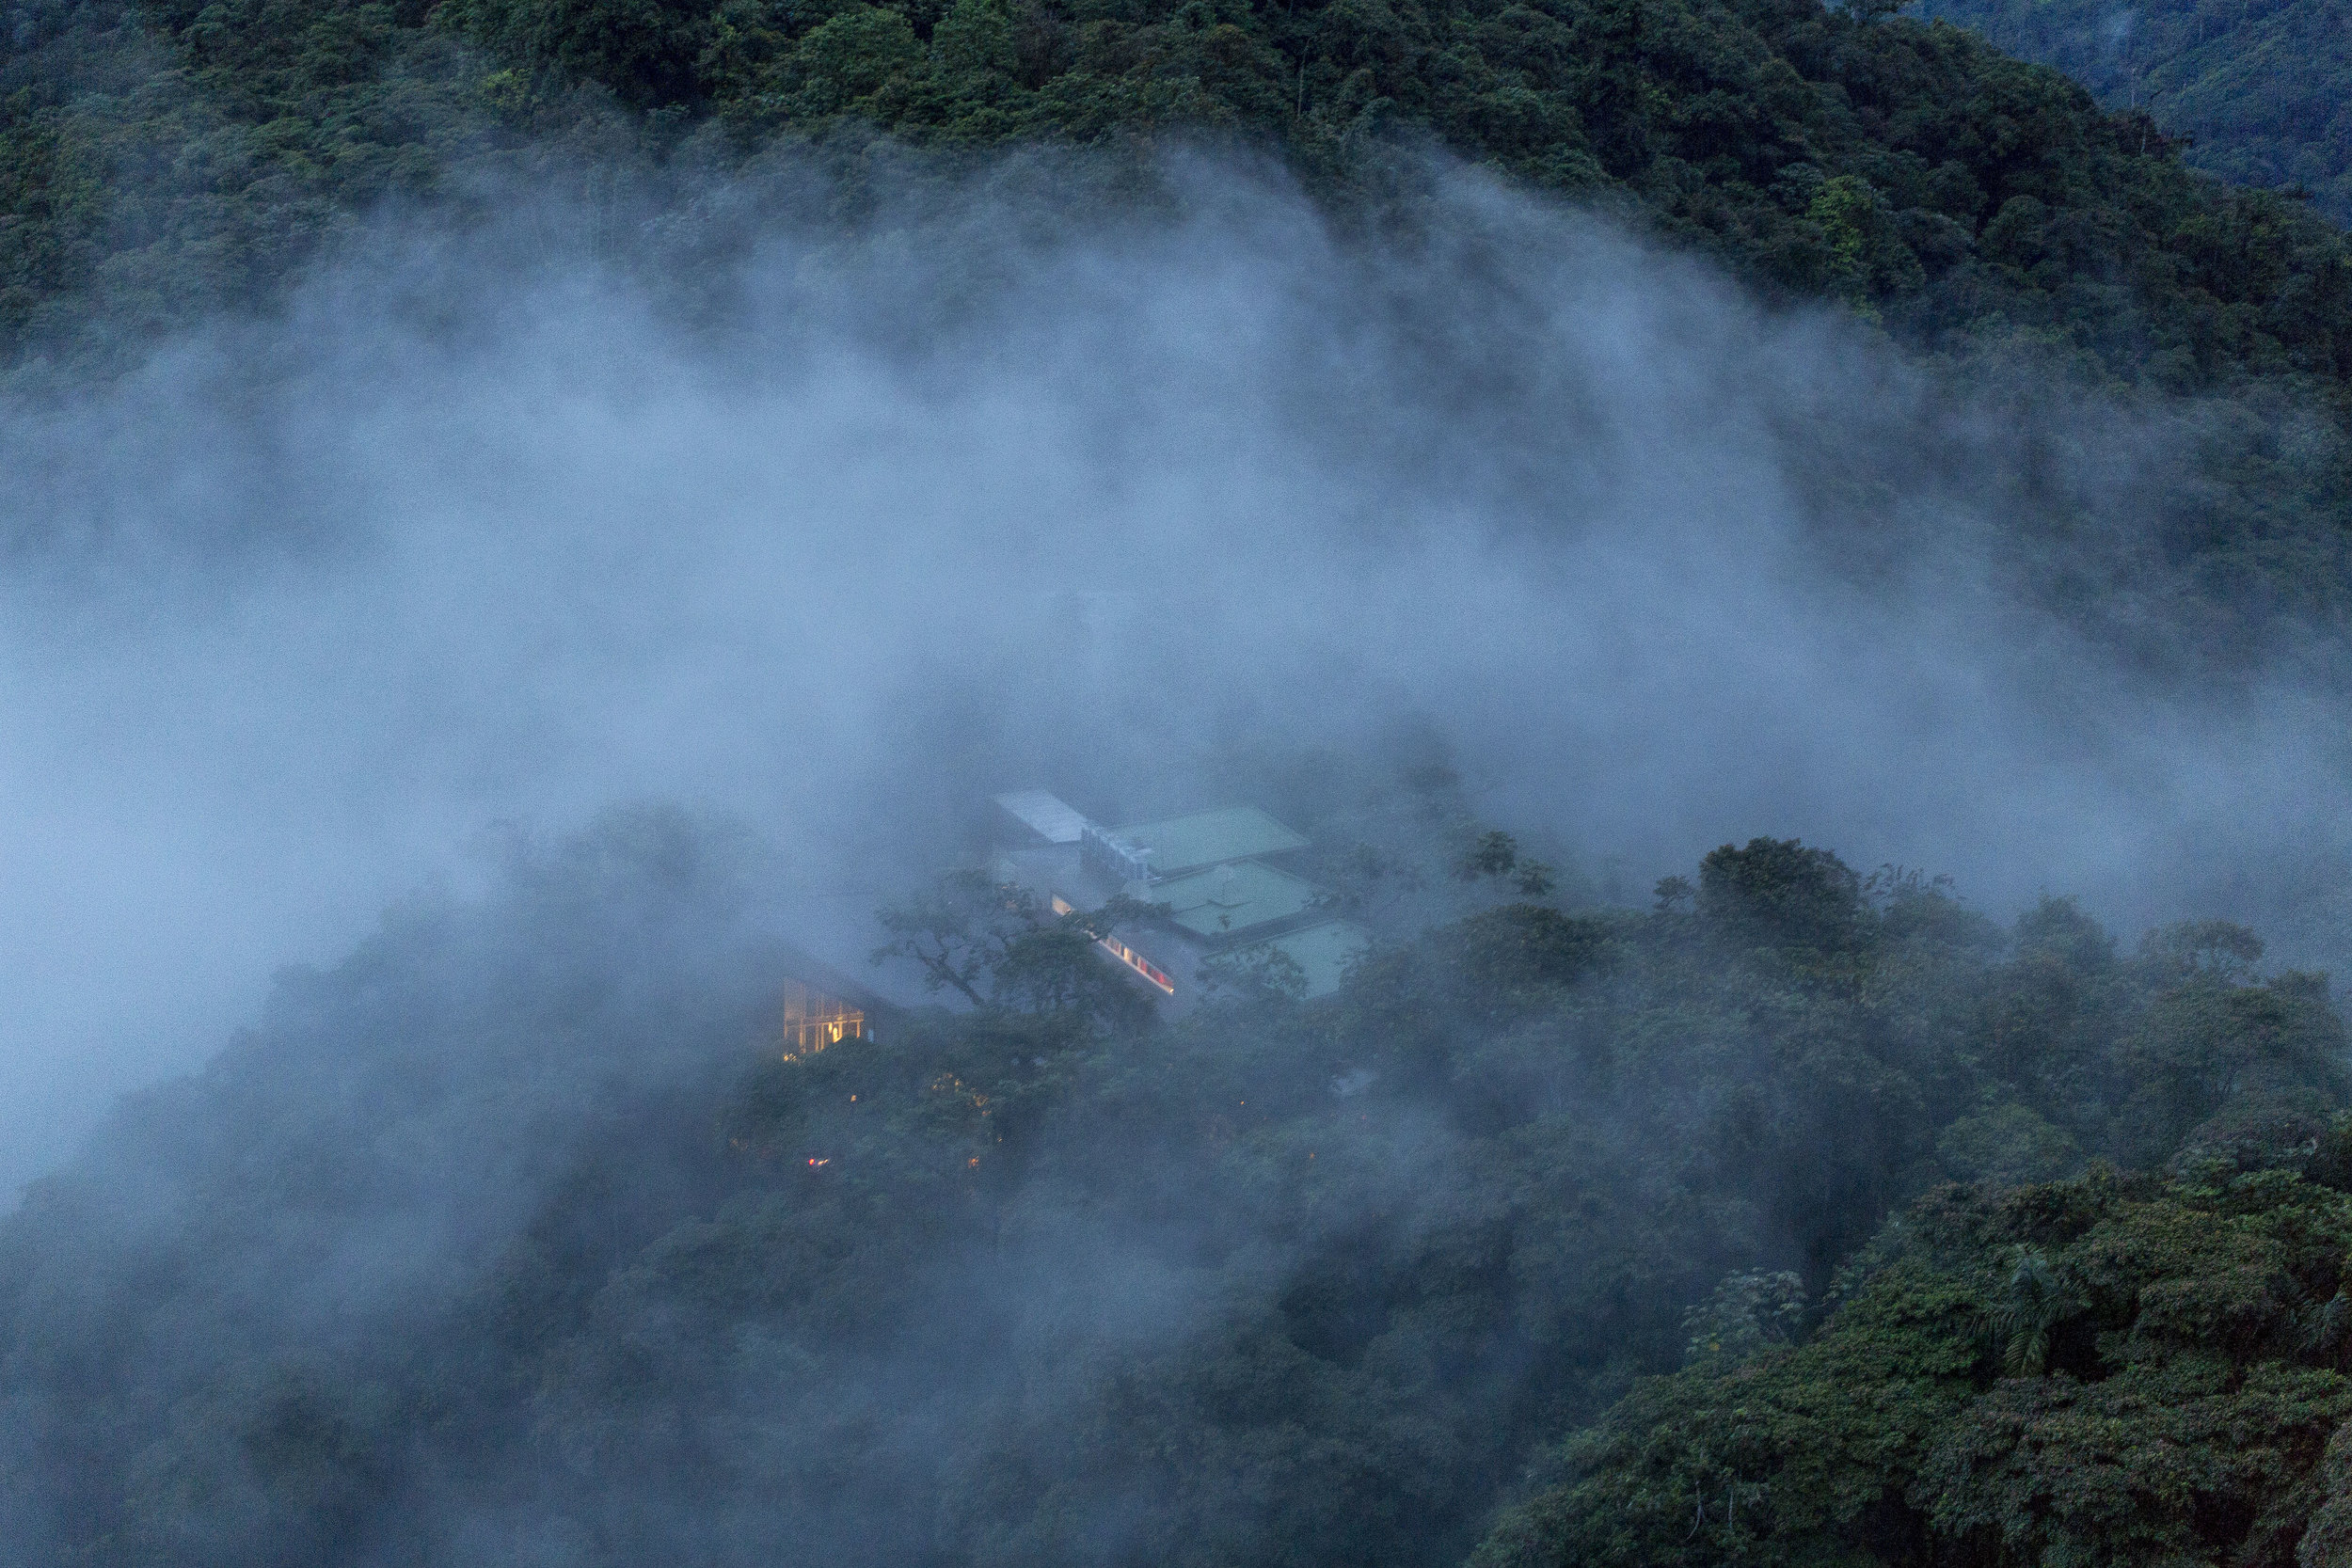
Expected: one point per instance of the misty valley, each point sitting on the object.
(1498, 783)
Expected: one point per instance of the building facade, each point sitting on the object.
(1217, 876)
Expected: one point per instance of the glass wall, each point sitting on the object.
(813, 1020)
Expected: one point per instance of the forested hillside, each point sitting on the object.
(1789, 1213)
(2265, 91)
(2115, 1368)
(1043, 1282)
(160, 157)
(160, 163)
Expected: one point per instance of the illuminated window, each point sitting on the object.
(1123, 953)
(813, 1020)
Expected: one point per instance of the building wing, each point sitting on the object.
(1206, 838)
(1207, 871)
(1048, 816)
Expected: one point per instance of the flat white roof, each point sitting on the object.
(1049, 816)
(1183, 844)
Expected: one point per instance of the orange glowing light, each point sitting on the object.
(1123, 953)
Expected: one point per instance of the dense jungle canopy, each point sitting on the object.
(159, 157)
(1043, 1281)
(2265, 91)
(1798, 1215)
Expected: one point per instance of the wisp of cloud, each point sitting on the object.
(998, 486)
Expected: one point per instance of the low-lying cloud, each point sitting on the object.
(998, 486)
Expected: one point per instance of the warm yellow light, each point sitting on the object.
(813, 1020)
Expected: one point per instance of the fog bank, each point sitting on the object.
(1141, 502)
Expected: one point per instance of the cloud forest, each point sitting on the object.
(1061, 781)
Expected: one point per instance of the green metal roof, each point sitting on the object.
(1323, 952)
(1183, 844)
(1226, 899)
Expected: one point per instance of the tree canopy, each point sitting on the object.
(2108, 1370)
(2262, 90)
(517, 1220)
(157, 156)
(163, 163)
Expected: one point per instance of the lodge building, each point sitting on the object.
(1222, 881)
(1220, 876)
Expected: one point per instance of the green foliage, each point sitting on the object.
(2262, 90)
(1496, 854)
(161, 160)
(2032, 1305)
(645, 51)
(2103, 1371)
(1750, 1312)
(2207, 1042)
(520, 1220)
(2008, 1142)
(51, 181)
(1777, 893)
(840, 63)
(1907, 168)
(1254, 974)
(997, 946)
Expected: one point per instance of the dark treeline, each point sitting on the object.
(2265, 91)
(2114, 1369)
(515, 1238)
(162, 157)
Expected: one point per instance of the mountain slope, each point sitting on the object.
(160, 157)
(162, 164)
(2265, 91)
(509, 1232)
(2105, 1370)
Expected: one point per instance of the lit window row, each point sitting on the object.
(813, 1020)
(1123, 953)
